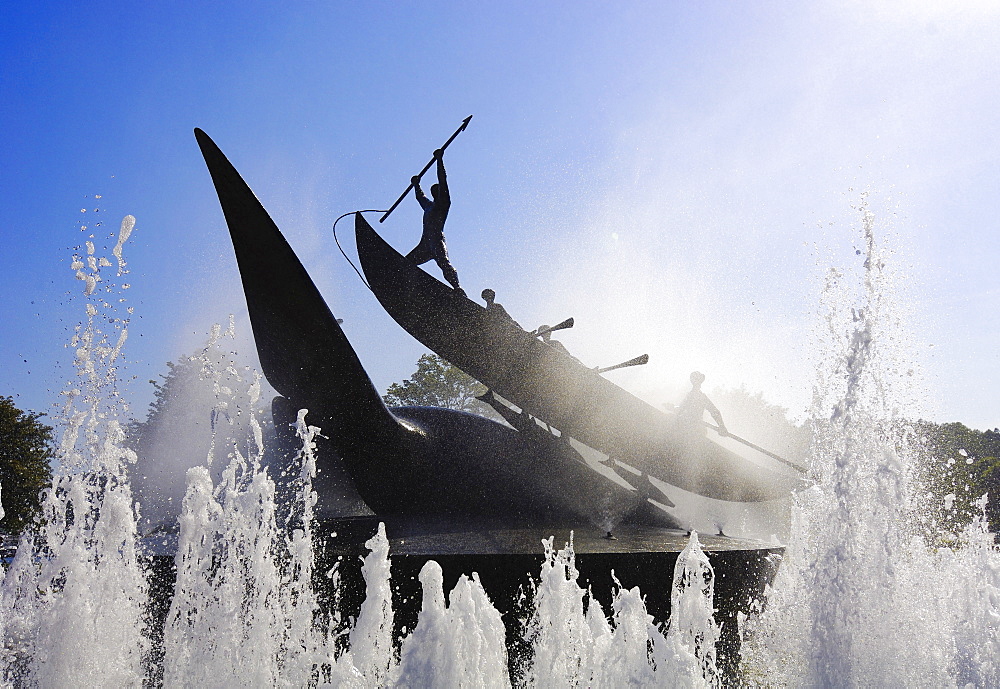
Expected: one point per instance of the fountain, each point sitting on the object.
(860, 597)
(241, 601)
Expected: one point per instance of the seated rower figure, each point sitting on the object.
(495, 310)
(432, 246)
(546, 336)
(694, 406)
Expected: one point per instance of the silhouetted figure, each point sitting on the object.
(496, 312)
(546, 336)
(431, 246)
(694, 406)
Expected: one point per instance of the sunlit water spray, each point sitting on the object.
(861, 598)
(72, 604)
(76, 606)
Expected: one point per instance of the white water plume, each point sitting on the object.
(207, 401)
(692, 601)
(77, 613)
(860, 597)
(244, 610)
(575, 645)
(237, 590)
(457, 645)
(371, 638)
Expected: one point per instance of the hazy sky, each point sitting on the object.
(678, 176)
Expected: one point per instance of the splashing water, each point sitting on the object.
(75, 606)
(74, 596)
(860, 597)
(457, 645)
(575, 645)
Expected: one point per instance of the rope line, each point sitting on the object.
(344, 253)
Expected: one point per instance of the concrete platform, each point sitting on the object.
(421, 536)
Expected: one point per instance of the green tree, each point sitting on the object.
(26, 452)
(178, 377)
(752, 417)
(199, 398)
(436, 383)
(960, 466)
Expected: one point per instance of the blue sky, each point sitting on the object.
(676, 176)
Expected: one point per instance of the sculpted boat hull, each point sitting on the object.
(556, 388)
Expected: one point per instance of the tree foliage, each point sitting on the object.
(178, 376)
(26, 452)
(750, 416)
(436, 383)
(961, 465)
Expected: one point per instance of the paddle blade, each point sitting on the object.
(568, 323)
(638, 361)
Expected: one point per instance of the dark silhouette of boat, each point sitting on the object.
(555, 387)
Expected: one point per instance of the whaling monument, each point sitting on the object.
(473, 493)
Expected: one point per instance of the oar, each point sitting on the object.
(465, 123)
(638, 361)
(568, 323)
(758, 448)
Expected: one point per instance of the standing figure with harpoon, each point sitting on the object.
(432, 246)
